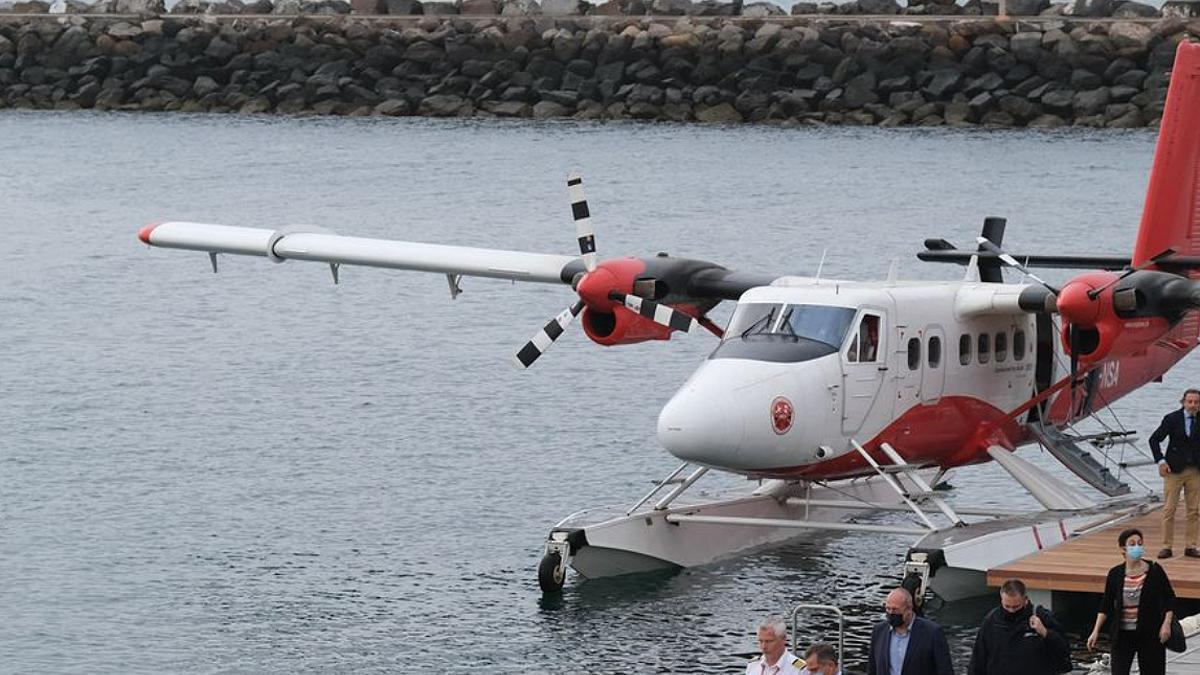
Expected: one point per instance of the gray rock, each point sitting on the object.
(720, 113)
(1131, 119)
(1026, 7)
(258, 7)
(1027, 46)
(942, 83)
(220, 50)
(509, 109)
(1089, 102)
(203, 86)
(405, 7)
(1129, 35)
(393, 107)
(139, 7)
(761, 10)
(877, 6)
(520, 8)
(1181, 9)
(31, 7)
(860, 91)
(670, 7)
(1135, 10)
(1059, 102)
(547, 109)
(439, 8)
(800, 8)
(1089, 8)
(1046, 122)
(1122, 94)
(443, 105)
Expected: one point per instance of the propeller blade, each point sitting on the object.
(583, 220)
(545, 337)
(658, 313)
(1095, 292)
(1007, 259)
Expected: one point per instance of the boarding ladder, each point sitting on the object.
(1078, 461)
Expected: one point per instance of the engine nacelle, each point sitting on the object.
(1116, 322)
(622, 327)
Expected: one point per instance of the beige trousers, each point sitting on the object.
(1189, 481)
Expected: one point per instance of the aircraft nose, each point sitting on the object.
(700, 427)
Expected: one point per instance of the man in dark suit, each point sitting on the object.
(1180, 469)
(906, 644)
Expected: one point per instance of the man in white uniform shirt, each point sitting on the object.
(775, 659)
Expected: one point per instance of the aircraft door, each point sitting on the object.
(933, 358)
(864, 364)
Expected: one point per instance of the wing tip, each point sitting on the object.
(144, 233)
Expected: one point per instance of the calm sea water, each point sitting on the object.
(260, 471)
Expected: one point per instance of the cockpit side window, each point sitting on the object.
(865, 347)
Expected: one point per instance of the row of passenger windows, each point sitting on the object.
(984, 349)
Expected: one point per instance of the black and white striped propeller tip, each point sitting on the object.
(546, 336)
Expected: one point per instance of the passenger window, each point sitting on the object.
(985, 348)
(1018, 345)
(914, 353)
(964, 350)
(1001, 347)
(935, 351)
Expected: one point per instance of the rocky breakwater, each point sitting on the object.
(1040, 72)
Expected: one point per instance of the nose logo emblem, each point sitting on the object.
(782, 415)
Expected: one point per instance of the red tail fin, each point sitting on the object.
(1171, 217)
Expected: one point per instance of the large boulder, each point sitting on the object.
(720, 113)
(877, 6)
(443, 105)
(140, 7)
(1182, 9)
(1129, 35)
(563, 7)
(1135, 10)
(368, 6)
(405, 7)
(1026, 7)
(1089, 8)
(762, 10)
(670, 7)
(520, 8)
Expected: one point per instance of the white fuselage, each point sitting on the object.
(877, 355)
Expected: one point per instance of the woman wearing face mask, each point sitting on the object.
(1139, 600)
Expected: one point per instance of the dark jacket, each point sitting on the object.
(1157, 599)
(1004, 647)
(1182, 449)
(928, 652)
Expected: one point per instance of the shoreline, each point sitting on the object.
(960, 71)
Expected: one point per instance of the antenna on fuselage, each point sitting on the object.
(821, 265)
(893, 269)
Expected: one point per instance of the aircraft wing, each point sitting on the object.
(315, 245)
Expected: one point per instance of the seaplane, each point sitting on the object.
(840, 398)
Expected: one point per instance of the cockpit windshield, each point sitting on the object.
(784, 332)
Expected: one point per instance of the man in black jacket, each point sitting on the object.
(1180, 469)
(1018, 639)
(906, 644)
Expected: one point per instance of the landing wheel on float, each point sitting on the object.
(552, 572)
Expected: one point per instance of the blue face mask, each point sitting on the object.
(1134, 551)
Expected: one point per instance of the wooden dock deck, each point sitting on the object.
(1081, 564)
